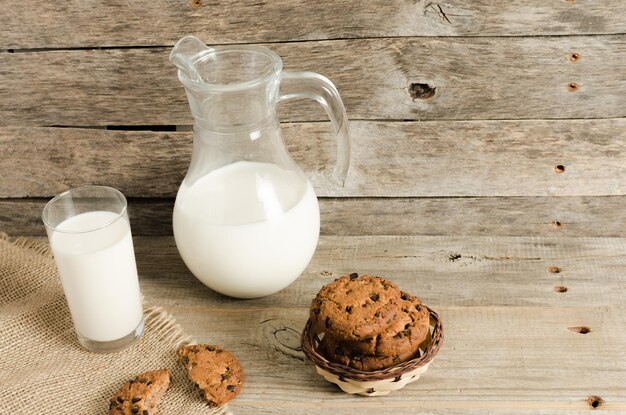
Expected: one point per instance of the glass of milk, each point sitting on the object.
(89, 233)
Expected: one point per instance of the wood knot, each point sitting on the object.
(555, 224)
(553, 269)
(580, 329)
(559, 168)
(421, 91)
(573, 57)
(196, 4)
(594, 401)
(560, 289)
(572, 87)
(283, 337)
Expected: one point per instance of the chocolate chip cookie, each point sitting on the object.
(142, 395)
(215, 371)
(413, 327)
(355, 308)
(406, 333)
(340, 353)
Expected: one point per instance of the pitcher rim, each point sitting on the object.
(277, 67)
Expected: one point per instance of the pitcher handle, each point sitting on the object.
(295, 85)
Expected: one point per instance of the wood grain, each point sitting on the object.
(472, 78)
(508, 345)
(31, 24)
(445, 270)
(483, 216)
(494, 360)
(474, 158)
(507, 340)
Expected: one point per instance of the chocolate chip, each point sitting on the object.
(149, 383)
(349, 309)
(316, 310)
(230, 388)
(136, 399)
(354, 276)
(397, 335)
(327, 322)
(408, 326)
(405, 296)
(418, 307)
(374, 297)
(120, 399)
(194, 351)
(377, 314)
(185, 361)
(145, 412)
(210, 348)
(134, 410)
(405, 333)
(225, 376)
(113, 405)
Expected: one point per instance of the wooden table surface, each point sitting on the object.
(488, 177)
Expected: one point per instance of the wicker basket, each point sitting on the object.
(379, 382)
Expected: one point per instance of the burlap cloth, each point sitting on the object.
(44, 370)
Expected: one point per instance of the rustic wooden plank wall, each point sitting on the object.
(497, 83)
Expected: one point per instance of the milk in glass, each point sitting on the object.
(98, 273)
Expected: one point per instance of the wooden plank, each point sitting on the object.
(508, 347)
(472, 78)
(445, 270)
(494, 360)
(30, 24)
(500, 313)
(475, 158)
(486, 216)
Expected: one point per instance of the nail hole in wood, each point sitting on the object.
(554, 270)
(573, 57)
(555, 224)
(572, 86)
(560, 289)
(559, 168)
(421, 91)
(580, 329)
(595, 401)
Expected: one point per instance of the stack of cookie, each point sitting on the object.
(368, 323)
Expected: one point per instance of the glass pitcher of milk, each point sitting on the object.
(246, 218)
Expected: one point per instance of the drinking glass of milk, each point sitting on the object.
(89, 233)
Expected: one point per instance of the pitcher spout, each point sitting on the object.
(187, 52)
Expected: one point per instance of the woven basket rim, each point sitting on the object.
(310, 339)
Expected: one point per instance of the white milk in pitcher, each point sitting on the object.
(248, 229)
(99, 275)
